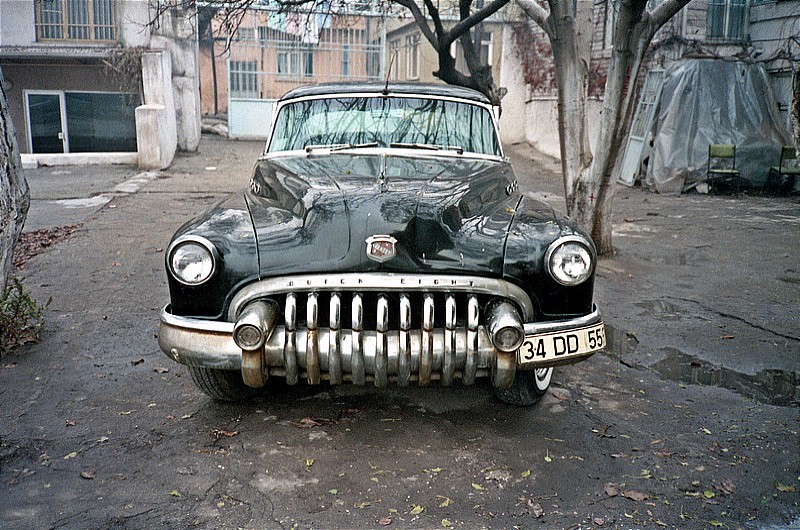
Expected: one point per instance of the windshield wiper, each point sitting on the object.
(431, 147)
(340, 147)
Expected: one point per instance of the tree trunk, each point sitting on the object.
(14, 194)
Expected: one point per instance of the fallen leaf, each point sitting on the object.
(538, 511)
(127, 412)
(362, 505)
(708, 494)
(160, 370)
(137, 362)
(446, 523)
(728, 337)
(599, 521)
(88, 475)
(186, 416)
(71, 423)
(784, 488)
(73, 454)
(333, 491)
(526, 473)
(716, 524)
(385, 521)
(477, 487)
(227, 434)
(726, 486)
(444, 501)
(309, 462)
(706, 431)
(611, 490)
(416, 510)
(175, 493)
(635, 495)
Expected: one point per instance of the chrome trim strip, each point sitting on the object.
(382, 282)
(535, 328)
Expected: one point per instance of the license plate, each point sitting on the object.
(562, 345)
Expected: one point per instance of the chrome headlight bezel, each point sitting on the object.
(577, 246)
(209, 255)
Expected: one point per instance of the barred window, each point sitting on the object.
(86, 20)
(244, 79)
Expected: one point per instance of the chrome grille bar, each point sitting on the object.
(449, 361)
(381, 354)
(312, 337)
(404, 355)
(290, 340)
(334, 348)
(357, 357)
(473, 320)
(426, 352)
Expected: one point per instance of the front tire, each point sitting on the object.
(222, 385)
(528, 387)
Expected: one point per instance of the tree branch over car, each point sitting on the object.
(589, 179)
(439, 28)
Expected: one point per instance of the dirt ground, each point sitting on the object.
(689, 420)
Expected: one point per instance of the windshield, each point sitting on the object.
(385, 122)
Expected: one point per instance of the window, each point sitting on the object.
(726, 21)
(345, 60)
(485, 57)
(92, 20)
(412, 57)
(244, 79)
(292, 61)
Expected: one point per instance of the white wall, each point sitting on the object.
(17, 23)
(541, 124)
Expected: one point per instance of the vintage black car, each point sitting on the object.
(382, 240)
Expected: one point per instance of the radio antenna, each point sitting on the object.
(385, 91)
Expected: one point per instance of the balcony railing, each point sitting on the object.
(81, 20)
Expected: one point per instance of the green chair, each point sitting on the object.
(782, 177)
(721, 172)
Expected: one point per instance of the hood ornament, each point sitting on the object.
(381, 248)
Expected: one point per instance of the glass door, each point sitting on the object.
(46, 122)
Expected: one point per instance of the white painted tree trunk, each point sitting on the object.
(589, 181)
(14, 195)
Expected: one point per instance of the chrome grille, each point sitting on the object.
(382, 331)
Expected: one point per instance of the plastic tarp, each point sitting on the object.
(712, 101)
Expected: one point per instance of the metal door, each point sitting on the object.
(47, 131)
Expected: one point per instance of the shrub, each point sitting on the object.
(21, 317)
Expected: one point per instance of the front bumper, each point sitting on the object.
(398, 356)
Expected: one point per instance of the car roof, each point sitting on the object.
(429, 89)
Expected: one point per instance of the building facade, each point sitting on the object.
(73, 74)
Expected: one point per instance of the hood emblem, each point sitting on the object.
(381, 248)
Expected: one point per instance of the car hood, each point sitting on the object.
(314, 214)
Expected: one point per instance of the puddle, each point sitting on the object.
(773, 387)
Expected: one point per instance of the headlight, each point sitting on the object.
(192, 261)
(569, 261)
